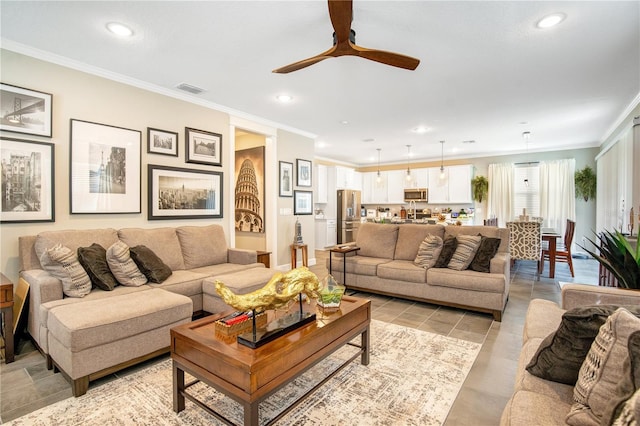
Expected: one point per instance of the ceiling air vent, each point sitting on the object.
(190, 88)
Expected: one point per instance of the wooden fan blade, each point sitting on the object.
(387, 58)
(305, 62)
(341, 14)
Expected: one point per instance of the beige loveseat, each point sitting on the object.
(385, 265)
(537, 401)
(94, 335)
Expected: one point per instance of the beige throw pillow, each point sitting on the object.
(123, 267)
(63, 264)
(429, 251)
(602, 370)
(465, 252)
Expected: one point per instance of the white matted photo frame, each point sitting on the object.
(176, 193)
(203, 147)
(105, 168)
(286, 179)
(162, 142)
(302, 202)
(27, 181)
(303, 172)
(32, 113)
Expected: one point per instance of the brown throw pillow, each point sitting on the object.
(448, 248)
(487, 250)
(562, 353)
(94, 260)
(150, 264)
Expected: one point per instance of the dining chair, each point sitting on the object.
(491, 222)
(525, 242)
(563, 250)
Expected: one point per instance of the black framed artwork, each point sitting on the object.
(302, 202)
(105, 168)
(177, 193)
(25, 111)
(303, 172)
(162, 142)
(203, 147)
(286, 179)
(27, 181)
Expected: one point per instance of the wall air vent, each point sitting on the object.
(190, 88)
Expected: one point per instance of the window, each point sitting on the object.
(526, 189)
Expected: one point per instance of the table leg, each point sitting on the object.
(178, 388)
(251, 414)
(330, 266)
(294, 255)
(364, 342)
(552, 257)
(344, 269)
(8, 336)
(305, 256)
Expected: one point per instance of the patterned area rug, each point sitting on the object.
(413, 379)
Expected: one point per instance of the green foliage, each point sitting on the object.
(479, 188)
(617, 255)
(585, 181)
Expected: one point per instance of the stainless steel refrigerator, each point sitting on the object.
(348, 215)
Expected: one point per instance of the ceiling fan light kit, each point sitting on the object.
(344, 43)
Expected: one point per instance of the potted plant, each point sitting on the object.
(479, 188)
(619, 258)
(585, 181)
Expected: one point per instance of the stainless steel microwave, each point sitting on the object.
(415, 194)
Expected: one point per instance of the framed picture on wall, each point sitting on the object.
(203, 147)
(286, 179)
(250, 202)
(162, 142)
(302, 202)
(25, 111)
(105, 168)
(303, 174)
(27, 181)
(176, 193)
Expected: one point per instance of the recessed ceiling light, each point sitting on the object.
(551, 20)
(121, 30)
(420, 130)
(284, 98)
(344, 122)
(469, 141)
(368, 140)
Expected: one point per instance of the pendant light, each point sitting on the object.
(378, 177)
(408, 169)
(526, 136)
(442, 174)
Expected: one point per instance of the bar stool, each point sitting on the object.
(294, 255)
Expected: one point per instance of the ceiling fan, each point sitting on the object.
(341, 14)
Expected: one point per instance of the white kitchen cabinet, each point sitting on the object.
(396, 182)
(455, 188)
(325, 235)
(420, 178)
(348, 178)
(320, 184)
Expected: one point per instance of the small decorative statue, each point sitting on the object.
(278, 292)
(298, 238)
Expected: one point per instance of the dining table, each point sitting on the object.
(551, 237)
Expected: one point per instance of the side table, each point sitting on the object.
(294, 255)
(344, 250)
(6, 307)
(264, 257)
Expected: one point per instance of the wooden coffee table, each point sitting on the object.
(248, 375)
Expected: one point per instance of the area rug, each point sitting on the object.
(413, 379)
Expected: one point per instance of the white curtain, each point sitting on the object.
(557, 193)
(500, 196)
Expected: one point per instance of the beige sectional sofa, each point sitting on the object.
(537, 401)
(94, 335)
(385, 265)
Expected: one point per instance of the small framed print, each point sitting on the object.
(176, 193)
(303, 175)
(286, 179)
(302, 202)
(25, 111)
(27, 181)
(162, 142)
(203, 147)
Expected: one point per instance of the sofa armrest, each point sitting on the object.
(242, 256)
(501, 264)
(574, 295)
(43, 287)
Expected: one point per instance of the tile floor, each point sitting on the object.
(26, 384)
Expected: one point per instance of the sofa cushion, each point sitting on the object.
(123, 267)
(562, 352)
(377, 240)
(202, 245)
(530, 408)
(94, 260)
(486, 251)
(74, 239)
(410, 236)
(163, 241)
(466, 280)
(449, 246)
(602, 370)
(62, 263)
(428, 251)
(465, 252)
(150, 264)
(543, 318)
(402, 270)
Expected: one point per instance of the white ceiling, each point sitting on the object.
(485, 68)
